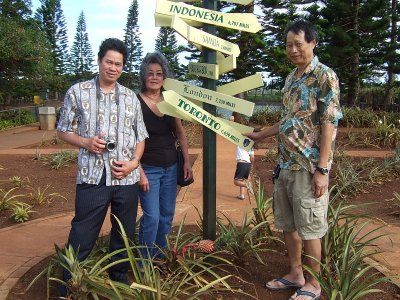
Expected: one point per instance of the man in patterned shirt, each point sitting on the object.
(306, 135)
(104, 119)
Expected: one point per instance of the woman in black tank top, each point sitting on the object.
(158, 164)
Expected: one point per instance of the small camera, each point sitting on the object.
(110, 145)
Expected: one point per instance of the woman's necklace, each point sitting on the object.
(155, 100)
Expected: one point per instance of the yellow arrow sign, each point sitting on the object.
(202, 38)
(242, 2)
(226, 64)
(208, 120)
(244, 22)
(204, 70)
(180, 27)
(209, 96)
(168, 109)
(212, 42)
(239, 127)
(241, 85)
(162, 20)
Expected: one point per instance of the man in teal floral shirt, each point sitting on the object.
(306, 136)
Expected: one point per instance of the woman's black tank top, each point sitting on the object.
(159, 147)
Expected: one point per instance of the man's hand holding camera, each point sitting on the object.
(94, 145)
(97, 145)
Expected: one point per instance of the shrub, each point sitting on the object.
(245, 240)
(21, 211)
(89, 279)
(266, 117)
(42, 196)
(7, 198)
(60, 159)
(346, 246)
(366, 118)
(16, 117)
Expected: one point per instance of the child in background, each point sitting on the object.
(244, 162)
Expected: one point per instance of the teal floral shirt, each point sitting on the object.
(309, 102)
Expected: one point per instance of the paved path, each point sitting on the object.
(24, 245)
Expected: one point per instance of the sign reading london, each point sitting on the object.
(208, 120)
(239, 21)
(209, 96)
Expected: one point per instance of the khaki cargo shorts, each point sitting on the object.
(296, 208)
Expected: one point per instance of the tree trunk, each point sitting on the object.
(354, 80)
(389, 96)
(8, 98)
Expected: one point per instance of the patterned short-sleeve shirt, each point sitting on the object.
(309, 102)
(88, 114)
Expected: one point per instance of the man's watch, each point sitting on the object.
(323, 171)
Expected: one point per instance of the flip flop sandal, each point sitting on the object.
(300, 292)
(287, 285)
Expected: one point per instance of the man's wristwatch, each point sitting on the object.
(323, 171)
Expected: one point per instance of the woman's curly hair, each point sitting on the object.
(155, 57)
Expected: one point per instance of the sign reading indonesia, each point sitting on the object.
(239, 21)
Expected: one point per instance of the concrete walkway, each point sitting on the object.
(24, 245)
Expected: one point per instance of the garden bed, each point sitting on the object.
(62, 181)
(253, 278)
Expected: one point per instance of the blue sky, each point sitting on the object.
(107, 18)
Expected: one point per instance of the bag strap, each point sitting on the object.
(177, 144)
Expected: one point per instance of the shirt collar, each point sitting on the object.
(312, 65)
(310, 68)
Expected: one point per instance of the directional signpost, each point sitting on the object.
(241, 85)
(209, 96)
(208, 120)
(244, 22)
(198, 104)
(204, 70)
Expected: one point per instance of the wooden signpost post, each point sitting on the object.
(198, 104)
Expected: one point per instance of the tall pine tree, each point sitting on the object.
(52, 22)
(24, 59)
(167, 44)
(351, 39)
(392, 52)
(277, 15)
(18, 10)
(81, 56)
(135, 48)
